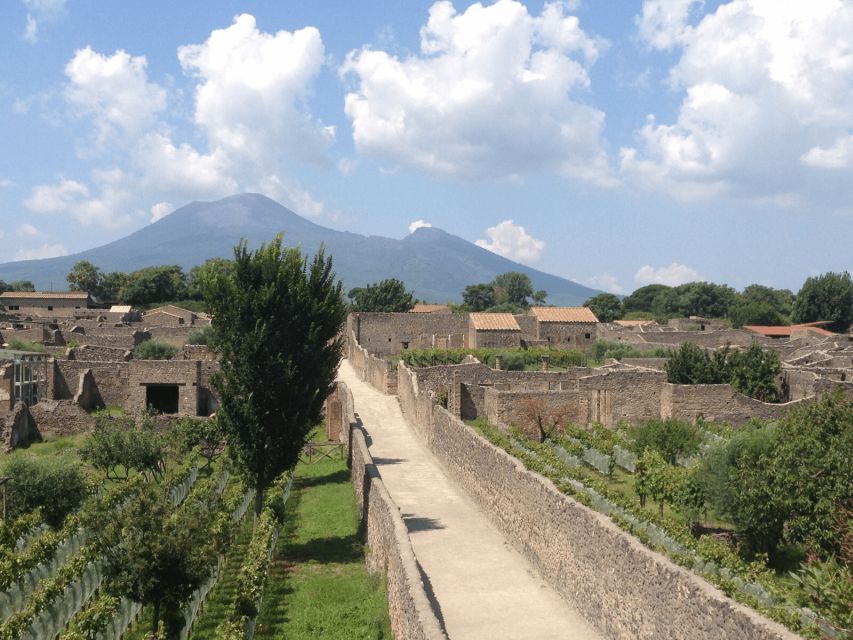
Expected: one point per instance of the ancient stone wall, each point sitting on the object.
(530, 410)
(109, 378)
(389, 548)
(185, 374)
(648, 363)
(377, 372)
(98, 353)
(494, 339)
(384, 334)
(528, 325)
(175, 336)
(38, 333)
(568, 335)
(630, 395)
(60, 417)
(708, 339)
(18, 428)
(627, 590)
(715, 403)
(797, 384)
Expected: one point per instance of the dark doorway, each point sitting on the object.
(162, 397)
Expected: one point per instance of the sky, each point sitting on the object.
(614, 143)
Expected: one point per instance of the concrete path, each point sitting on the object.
(485, 589)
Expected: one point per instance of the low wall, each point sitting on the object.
(389, 548)
(98, 353)
(527, 410)
(716, 403)
(624, 588)
(377, 372)
(60, 417)
(18, 428)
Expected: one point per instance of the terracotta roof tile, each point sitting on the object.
(564, 314)
(430, 308)
(494, 322)
(46, 295)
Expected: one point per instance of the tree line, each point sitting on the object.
(826, 297)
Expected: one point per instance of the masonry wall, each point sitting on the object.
(628, 395)
(175, 336)
(494, 339)
(186, 374)
(377, 372)
(383, 334)
(60, 418)
(525, 409)
(97, 353)
(110, 380)
(715, 403)
(710, 339)
(627, 590)
(18, 428)
(568, 335)
(389, 548)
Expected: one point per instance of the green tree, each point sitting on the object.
(276, 327)
(199, 274)
(84, 276)
(57, 485)
(388, 296)
(643, 299)
(479, 297)
(154, 350)
(118, 446)
(753, 372)
(21, 285)
(670, 439)
(691, 364)
(112, 286)
(512, 287)
(826, 297)
(154, 554)
(762, 305)
(155, 284)
(606, 307)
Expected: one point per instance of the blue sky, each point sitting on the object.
(614, 143)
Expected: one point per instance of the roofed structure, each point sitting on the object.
(493, 322)
(430, 308)
(44, 295)
(564, 314)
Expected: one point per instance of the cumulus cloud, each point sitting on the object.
(605, 282)
(672, 275)
(765, 114)
(414, 225)
(512, 241)
(161, 210)
(493, 94)
(6, 183)
(26, 230)
(105, 207)
(114, 90)
(664, 23)
(252, 86)
(44, 251)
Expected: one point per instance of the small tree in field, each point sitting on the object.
(276, 324)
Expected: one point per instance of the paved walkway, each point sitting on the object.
(485, 589)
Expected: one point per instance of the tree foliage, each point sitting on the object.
(826, 297)
(510, 292)
(606, 307)
(670, 439)
(154, 350)
(479, 297)
(55, 485)
(762, 305)
(276, 324)
(118, 446)
(154, 284)
(202, 273)
(388, 296)
(84, 276)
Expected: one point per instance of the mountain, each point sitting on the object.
(436, 264)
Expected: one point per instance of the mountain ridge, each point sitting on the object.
(436, 264)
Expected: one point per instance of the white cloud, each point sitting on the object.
(44, 251)
(347, 165)
(26, 230)
(672, 275)
(252, 86)
(605, 282)
(491, 95)
(289, 194)
(513, 242)
(6, 184)
(161, 210)
(113, 90)
(664, 23)
(40, 11)
(766, 109)
(73, 198)
(837, 156)
(418, 224)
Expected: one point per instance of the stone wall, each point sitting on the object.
(186, 374)
(494, 339)
(709, 339)
(38, 333)
(630, 395)
(384, 334)
(175, 336)
(527, 410)
(377, 372)
(647, 363)
(568, 335)
(60, 417)
(627, 590)
(716, 403)
(389, 548)
(18, 428)
(98, 353)
(110, 380)
(125, 340)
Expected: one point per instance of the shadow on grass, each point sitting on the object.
(336, 477)
(335, 549)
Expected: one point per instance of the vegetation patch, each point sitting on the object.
(154, 350)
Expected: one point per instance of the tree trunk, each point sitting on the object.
(155, 624)
(259, 502)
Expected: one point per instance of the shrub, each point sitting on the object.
(200, 336)
(670, 438)
(56, 485)
(118, 446)
(154, 350)
(17, 344)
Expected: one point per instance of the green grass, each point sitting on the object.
(51, 446)
(109, 412)
(319, 587)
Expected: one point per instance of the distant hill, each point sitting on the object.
(436, 264)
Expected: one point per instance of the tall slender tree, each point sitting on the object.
(276, 326)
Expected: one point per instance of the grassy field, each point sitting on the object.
(319, 587)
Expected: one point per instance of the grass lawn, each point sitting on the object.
(319, 587)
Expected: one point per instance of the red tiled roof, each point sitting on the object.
(564, 314)
(429, 308)
(769, 331)
(46, 295)
(493, 322)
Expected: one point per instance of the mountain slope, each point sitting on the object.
(436, 264)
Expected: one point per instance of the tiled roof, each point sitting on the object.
(494, 322)
(632, 323)
(120, 308)
(769, 331)
(46, 295)
(429, 308)
(564, 314)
